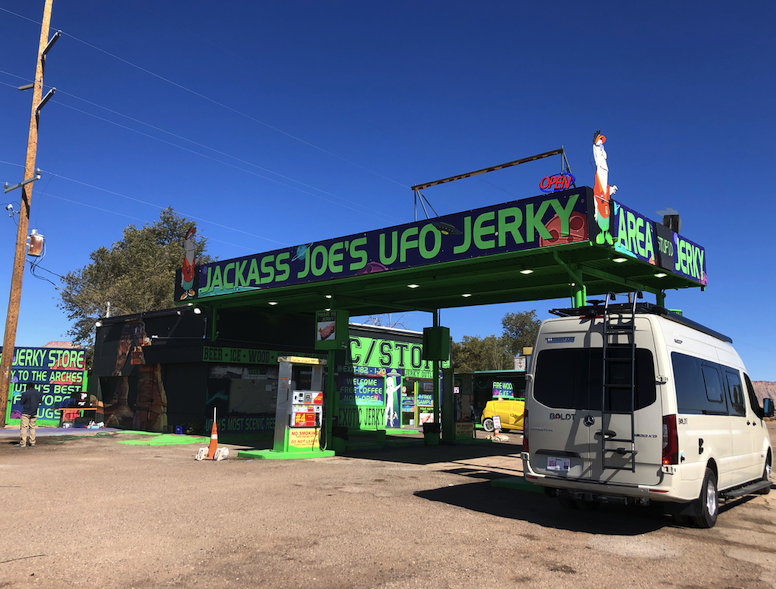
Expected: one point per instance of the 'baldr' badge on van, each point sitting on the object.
(560, 340)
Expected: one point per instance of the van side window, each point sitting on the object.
(713, 384)
(571, 378)
(698, 386)
(758, 410)
(735, 394)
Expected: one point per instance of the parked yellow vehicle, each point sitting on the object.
(510, 411)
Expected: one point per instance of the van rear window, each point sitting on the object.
(571, 378)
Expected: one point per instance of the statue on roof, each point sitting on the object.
(601, 190)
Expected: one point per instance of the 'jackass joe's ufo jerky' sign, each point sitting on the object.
(542, 221)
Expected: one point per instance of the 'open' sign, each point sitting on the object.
(556, 182)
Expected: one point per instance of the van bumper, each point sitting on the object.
(670, 490)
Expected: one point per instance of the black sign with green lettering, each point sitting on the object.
(508, 227)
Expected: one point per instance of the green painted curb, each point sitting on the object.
(272, 455)
(167, 440)
(517, 484)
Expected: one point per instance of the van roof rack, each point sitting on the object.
(596, 308)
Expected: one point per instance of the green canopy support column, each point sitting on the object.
(661, 298)
(578, 288)
(448, 406)
(435, 375)
(580, 294)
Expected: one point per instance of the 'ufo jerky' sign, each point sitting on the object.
(535, 222)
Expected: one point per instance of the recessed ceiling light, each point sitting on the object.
(328, 296)
(620, 260)
(526, 271)
(273, 302)
(413, 285)
(466, 295)
(661, 275)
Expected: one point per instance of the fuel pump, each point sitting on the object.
(299, 413)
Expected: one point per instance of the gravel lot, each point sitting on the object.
(89, 511)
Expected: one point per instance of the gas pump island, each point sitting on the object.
(299, 418)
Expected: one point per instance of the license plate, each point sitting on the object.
(554, 463)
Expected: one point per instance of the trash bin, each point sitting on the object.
(431, 434)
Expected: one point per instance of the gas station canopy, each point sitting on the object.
(546, 247)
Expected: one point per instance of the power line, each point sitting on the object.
(220, 153)
(234, 110)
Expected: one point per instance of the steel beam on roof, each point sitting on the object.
(489, 169)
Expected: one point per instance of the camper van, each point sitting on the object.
(633, 403)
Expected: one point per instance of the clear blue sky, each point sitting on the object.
(280, 123)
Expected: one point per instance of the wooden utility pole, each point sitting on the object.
(12, 320)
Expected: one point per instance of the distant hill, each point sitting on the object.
(763, 389)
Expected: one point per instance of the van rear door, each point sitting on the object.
(560, 395)
(566, 422)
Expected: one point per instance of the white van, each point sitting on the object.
(675, 420)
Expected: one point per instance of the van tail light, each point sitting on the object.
(525, 430)
(670, 440)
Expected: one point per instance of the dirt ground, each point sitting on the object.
(89, 511)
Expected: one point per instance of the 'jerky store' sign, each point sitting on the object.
(57, 373)
(514, 226)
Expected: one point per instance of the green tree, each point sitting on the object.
(520, 330)
(474, 353)
(134, 275)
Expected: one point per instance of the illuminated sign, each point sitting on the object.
(557, 182)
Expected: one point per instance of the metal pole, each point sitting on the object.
(12, 320)
(435, 368)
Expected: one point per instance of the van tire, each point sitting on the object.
(487, 424)
(708, 502)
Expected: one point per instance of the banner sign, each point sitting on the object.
(252, 424)
(331, 329)
(650, 241)
(503, 390)
(509, 227)
(58, 373)
(248, 356)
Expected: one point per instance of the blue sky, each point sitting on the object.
(279, 123)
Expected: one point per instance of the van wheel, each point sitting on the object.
(766, 477)
(487, 424)
(708, 501)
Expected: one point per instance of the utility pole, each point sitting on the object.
(12, 320)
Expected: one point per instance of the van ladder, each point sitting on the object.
(624, 356)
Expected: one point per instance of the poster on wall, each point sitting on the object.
(58, 373)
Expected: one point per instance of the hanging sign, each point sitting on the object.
(331, 330)
(562, 181)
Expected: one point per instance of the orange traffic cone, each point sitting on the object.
(211, 451)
